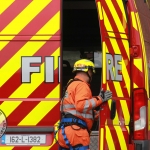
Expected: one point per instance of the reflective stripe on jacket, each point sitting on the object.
(78, 101)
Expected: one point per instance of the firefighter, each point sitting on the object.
(77, 108)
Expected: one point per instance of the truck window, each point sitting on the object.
(81, 39)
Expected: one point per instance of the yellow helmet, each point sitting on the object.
(83, 65)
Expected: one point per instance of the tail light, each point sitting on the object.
(140, 114)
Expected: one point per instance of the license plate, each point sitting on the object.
(23, 139)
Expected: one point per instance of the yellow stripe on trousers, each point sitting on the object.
(4, 4)
(18, 23)
(29, 49)
(36, 80)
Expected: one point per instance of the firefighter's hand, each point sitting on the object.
(105, 95)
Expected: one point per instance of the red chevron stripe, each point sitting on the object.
(22, 148)
(31, 29)
(44, 89)
(46, 50)
(115, 137)
(54, 114)
(12, 11)
(137, 72)
(55, 147)
(21, 112)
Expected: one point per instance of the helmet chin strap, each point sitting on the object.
(90, 78)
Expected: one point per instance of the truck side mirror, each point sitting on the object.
(113, 109)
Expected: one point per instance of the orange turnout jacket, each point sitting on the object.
(78, 101)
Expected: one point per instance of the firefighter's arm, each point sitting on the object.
(83, 99)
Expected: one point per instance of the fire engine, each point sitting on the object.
(39, 42)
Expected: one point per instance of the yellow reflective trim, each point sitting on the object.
(104, 62)
(4, 4)
(126, 75)
(118, 88)
(109, 139)
(138, 63)
(29, 49)
(36, 115)
(115, 16)
(9, 106)
(36, 80)
(32, 10)
(144, 55)
(121, 138)
(102, 139)
(55, 93)
(100, 10)
(134, 24)
(125, 111)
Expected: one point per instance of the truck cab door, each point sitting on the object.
(113, 21)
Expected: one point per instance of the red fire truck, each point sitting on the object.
(39, 42)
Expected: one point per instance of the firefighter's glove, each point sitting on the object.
(105, 95)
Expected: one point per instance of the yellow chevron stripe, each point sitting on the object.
(148, 115)
(120, 4)
(118, 89)
(144, 55)
(125, 111)
(128, 129)
(138, 63)
(121, 138)
(9, 106)
(109, 139)
(126, 75)
(109, 28)
(115, 16)
(55, 93)
(5, 4)
(112, 40)
(117, 51)
(45, 147)
(116, 119)
(35, 116)
(37, 79)
(102, 139)
(6, 147)
(134, 24)
(29, 49)
(32, 10)
(134, 85)
(103, 62)
(100, 10)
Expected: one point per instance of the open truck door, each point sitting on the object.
(124, 119)
(114, 124)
